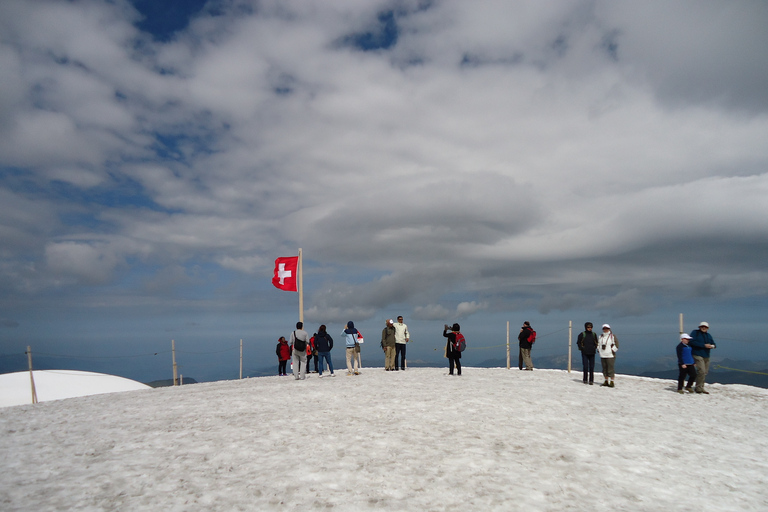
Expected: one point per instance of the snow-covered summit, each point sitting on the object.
(493, 439)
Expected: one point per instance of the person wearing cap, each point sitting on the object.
(388, 344)
(587, 343)
(525, 345)
(685, 364)
(607, 345)
(701, 343)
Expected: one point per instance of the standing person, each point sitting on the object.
(685, 364)
(401, 338)
(587, 343)
(525, 344)
(607, 346)
(324, 345)
(312, 353)
(701, 343)
(350, 335)
(452, 351)
(388, 344)
(299, 343)
(283, 351)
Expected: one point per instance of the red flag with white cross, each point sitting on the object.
(286, 273)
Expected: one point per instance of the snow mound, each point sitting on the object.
(493, 439)
(15, 388)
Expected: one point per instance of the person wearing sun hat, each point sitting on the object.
(685, 364)
(701, 343)
(607, 345)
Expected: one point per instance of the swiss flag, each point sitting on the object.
(286, 273)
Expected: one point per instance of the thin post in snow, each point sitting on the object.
(241, 359)
(31, 374)
(570, 339)
(681, 324)
(175, 368)
(508, 362)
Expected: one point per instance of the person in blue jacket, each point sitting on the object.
(701, 343)
(350, 337)
(685, 364)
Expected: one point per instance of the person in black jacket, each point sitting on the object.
(452, 351)
(525, 345)
(587, 343)
(323, 345)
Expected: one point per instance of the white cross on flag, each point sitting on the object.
(286, 273)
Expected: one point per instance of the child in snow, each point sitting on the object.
(685, 364)
(283, 352)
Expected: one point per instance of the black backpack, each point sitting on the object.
(300, 345)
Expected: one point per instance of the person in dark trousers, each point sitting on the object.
(525, 345)
(685, 364)
(587, 343)
(452, 349)
(283, 352)
(324, 345)
(701, 343)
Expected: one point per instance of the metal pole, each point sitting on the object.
(570, 339)
(241, 359)
(508, 363)
(175, 368)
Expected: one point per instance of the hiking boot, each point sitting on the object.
(611, 385)
(604, 384)
(705, 392)
(681, 391)
(689, 389)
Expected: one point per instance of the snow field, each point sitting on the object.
(493, 439)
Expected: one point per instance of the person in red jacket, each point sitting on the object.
(283, 352)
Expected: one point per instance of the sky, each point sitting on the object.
(479, 162)
(489, 440)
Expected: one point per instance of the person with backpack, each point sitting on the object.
(587, 343)
(454, 347)
(350, 336)
(527, 338)
(283, 352)
(701, 343)
(323, 345)
(299, 343)
(607, 345)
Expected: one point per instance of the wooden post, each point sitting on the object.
(570, 339)
(681, 324)
(175, 368)
(31, 375)
(508, 362)
(241, 359)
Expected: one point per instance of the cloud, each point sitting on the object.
(547, 156)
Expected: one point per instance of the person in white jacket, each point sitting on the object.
(607, 345)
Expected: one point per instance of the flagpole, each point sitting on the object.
(301, 289)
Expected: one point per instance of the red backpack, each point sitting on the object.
(461, 343)
(532, 337)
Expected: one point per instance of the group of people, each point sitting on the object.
(693, 359)
(394, 338)
(303, 348)
(606, 345)
(693, 352)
